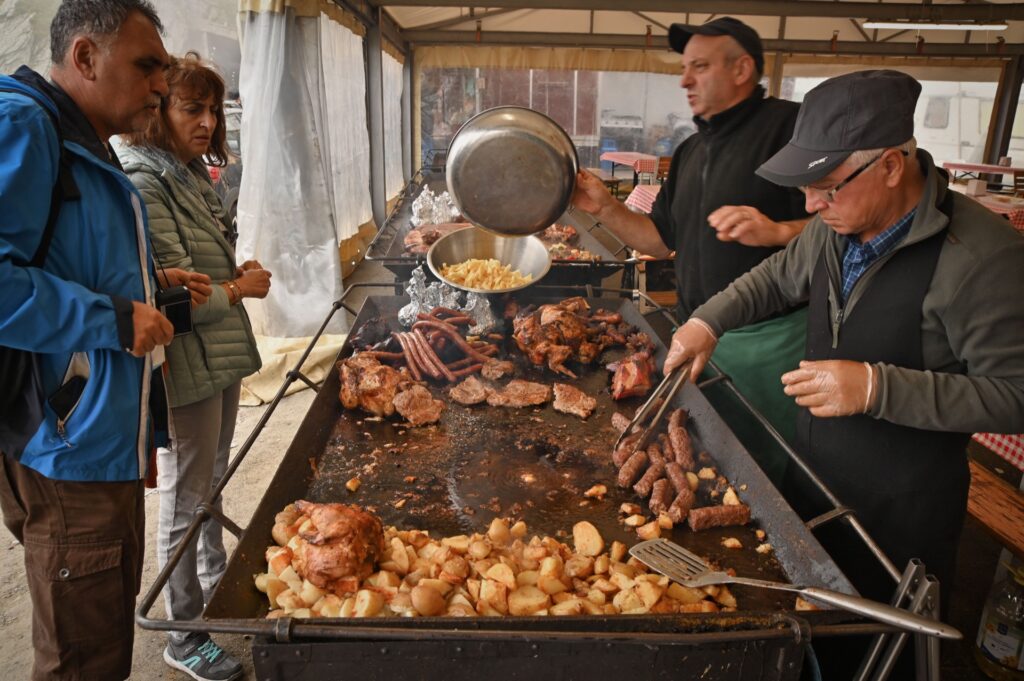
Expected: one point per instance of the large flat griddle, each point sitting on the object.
(534, 464)
(388, 246)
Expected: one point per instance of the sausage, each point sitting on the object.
(631, 470)
(661, 496)
(625, 450)
(382, 354)
(428, 353)
(471, 369)
(681, 505)
(680, 439)
(453, 334)
(410, 361)
(666, 447)
(654, 472)
(718, 516)
(620, 422)
(677, 476)
(417, 354)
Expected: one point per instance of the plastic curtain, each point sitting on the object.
(306, 154)
(394, 178)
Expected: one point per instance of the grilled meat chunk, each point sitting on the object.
(554, 333)
(418, 406)
(570, 400)
(620, 422)
(344, 541)
(519, 393)
(368, 385)
(632, 377)
(494, 369)
(419, 240)
(471, 391)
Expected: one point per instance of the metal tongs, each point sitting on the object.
(667, 389)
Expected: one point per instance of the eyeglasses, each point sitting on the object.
(830, 194)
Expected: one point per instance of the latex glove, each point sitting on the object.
(748, 226)
(695, 341)
(835, 387)
(590, 194)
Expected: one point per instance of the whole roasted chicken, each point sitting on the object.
(339, 542)
(552, 334)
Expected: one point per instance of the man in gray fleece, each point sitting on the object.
(916, 307)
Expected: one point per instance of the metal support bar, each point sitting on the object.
(305, 379)
(1007, 94)
(828, 517)
(912, 576)
(206, 509)
(881, 47)
(375, 121)
(890, 11)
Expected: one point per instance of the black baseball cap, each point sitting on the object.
(680, 34)
(861, 110)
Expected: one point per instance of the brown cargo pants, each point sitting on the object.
(83, 562)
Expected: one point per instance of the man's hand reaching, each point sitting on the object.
(694, 341)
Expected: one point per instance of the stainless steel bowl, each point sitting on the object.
(527, 254)
(511, 170)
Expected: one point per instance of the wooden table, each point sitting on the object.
(976, 169)
(1010, 207)
(997, 505)
(640, 163)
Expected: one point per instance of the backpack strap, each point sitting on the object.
(64, 189)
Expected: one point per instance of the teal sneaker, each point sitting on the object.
(202, 659)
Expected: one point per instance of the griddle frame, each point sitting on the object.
(287, 629)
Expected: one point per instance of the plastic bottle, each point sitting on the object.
(999, 649)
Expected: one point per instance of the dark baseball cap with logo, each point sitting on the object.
(680, 34)
(861, 110)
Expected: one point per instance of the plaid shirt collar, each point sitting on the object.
(858, 257)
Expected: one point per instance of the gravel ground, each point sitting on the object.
(240, 499)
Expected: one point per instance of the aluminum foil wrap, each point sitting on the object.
(433, 209)
(424, 298)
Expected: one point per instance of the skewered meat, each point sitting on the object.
(632, 376)
(418, 406)
(570, 400)
(718, 516)
(495, 369)
(368, 385)
(519, 393)
(343, 541)
(471, 391)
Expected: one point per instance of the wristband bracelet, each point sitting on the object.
(237, 291)
(871, 387)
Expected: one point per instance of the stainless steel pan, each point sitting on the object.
(511, 170)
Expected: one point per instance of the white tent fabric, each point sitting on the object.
(394, 178)
(306, 154)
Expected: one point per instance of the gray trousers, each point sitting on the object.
(201, 435)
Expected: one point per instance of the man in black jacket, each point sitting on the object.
(721, 219)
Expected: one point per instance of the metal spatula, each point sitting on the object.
(689, 569)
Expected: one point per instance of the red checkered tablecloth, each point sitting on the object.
(1009, 447)
(641, 199)
(640, 163)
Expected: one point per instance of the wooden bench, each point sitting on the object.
(997, 505)
(609, 180)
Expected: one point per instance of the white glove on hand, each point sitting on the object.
(695, 341)
(832, 387)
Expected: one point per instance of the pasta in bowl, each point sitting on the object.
(479, 261)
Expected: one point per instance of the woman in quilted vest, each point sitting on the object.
(204, 369)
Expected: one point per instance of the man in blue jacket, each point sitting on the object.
(74, 496)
